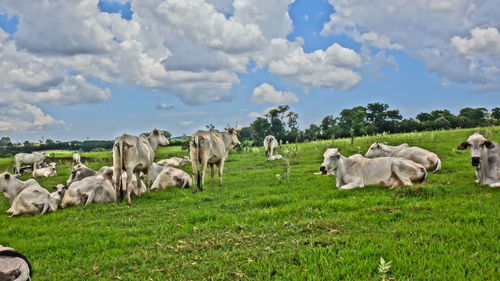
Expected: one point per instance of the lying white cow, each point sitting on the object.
(77, 158)
(485, 156)
(171, 176)
(36, 200)
(274, 157)
(94, 189)
(35, 159)
(11, 187)
(175, 161)
(49, 171)
(429, 160)
(13, 265)
(79, 172)
(135, 187)
(357, 172)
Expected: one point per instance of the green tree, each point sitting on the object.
(5, 141)
(260, 128)
(495, 113)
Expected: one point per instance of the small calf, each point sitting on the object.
(49, 171)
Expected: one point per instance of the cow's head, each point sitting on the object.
(330, 160)
(4, 181)
(60, 189)
(71, 197)
(375, 150)
(232, 137)
(477, 143)
(159, 137)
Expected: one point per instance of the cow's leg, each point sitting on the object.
(202, 176)
(400, 174)
(193, 152)
(212, 172)
(138, 185)
(18, 167)
(351, 185)
(128, 186)
(221, 170)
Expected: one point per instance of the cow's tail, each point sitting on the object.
(196, 145)
(118, 167)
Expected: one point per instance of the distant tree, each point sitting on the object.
(276, 118)
(354, 119)
(167, 134)
(312, 133)
(260, 128)
(475, 116)
(210, 127)
(328, 127)
(245, 134)
(293, 134)
(495, 113)
(4, 141)
(423, 117)
(409, 125)
(49, 141)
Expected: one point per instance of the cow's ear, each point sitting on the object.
(463, 145)
(230, 130)
(339, 149)
(7, 176)
(489, 144)
(54, 187)
(156, 132)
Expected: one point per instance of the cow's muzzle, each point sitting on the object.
(475, 161)
(322, 169)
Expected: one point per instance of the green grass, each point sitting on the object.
(256, 228)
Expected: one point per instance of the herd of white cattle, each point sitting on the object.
(133, 163)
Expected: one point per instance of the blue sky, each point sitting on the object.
(98, 69)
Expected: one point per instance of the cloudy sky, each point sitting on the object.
(72, 69)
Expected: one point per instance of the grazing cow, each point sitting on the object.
(134, 155)
(35, 158)
(175, 161)
(274, 157)
(14, 266)
(77, 158)
(429, 160)
(11, 187)
(357, 172)
(79, 172)
(485, 156)
(270, 144)
(171, 176)
(210, 148)
(94, 189)
(36, 200)
(49, 171)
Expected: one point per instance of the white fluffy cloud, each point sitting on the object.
(21, 117)
(186, 123)
(266, 94)
(456, 39)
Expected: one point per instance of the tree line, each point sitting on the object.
(374, 118)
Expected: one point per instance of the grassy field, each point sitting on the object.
(258, 227)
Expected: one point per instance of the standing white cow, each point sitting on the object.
(35, 159)
(359, 171)
(49, 171)
(429, 160)
(77, 158)
(485, 156)
(134, 155)
(210, 148)
(270, 144)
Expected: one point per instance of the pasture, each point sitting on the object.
(262, 226)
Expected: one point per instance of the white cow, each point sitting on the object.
(77, 158)
(134, 155)
(429, 160)
(14, 266)
(175, 161)
(35, 159)
(358, 172)
(137, 190)
(171, 176)
(11, 187)
(49, 171)
(270, 144)
(36, 200)
(94, 189)
(209, 148)
(79, 172)
(485, 156)
(155, 171)
(274, 157)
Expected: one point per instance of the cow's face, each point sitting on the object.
(476, 143)
(60, 189)
(4, 181)
(374, 151)
(162, 140)
(330, 161)
(233, 137)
